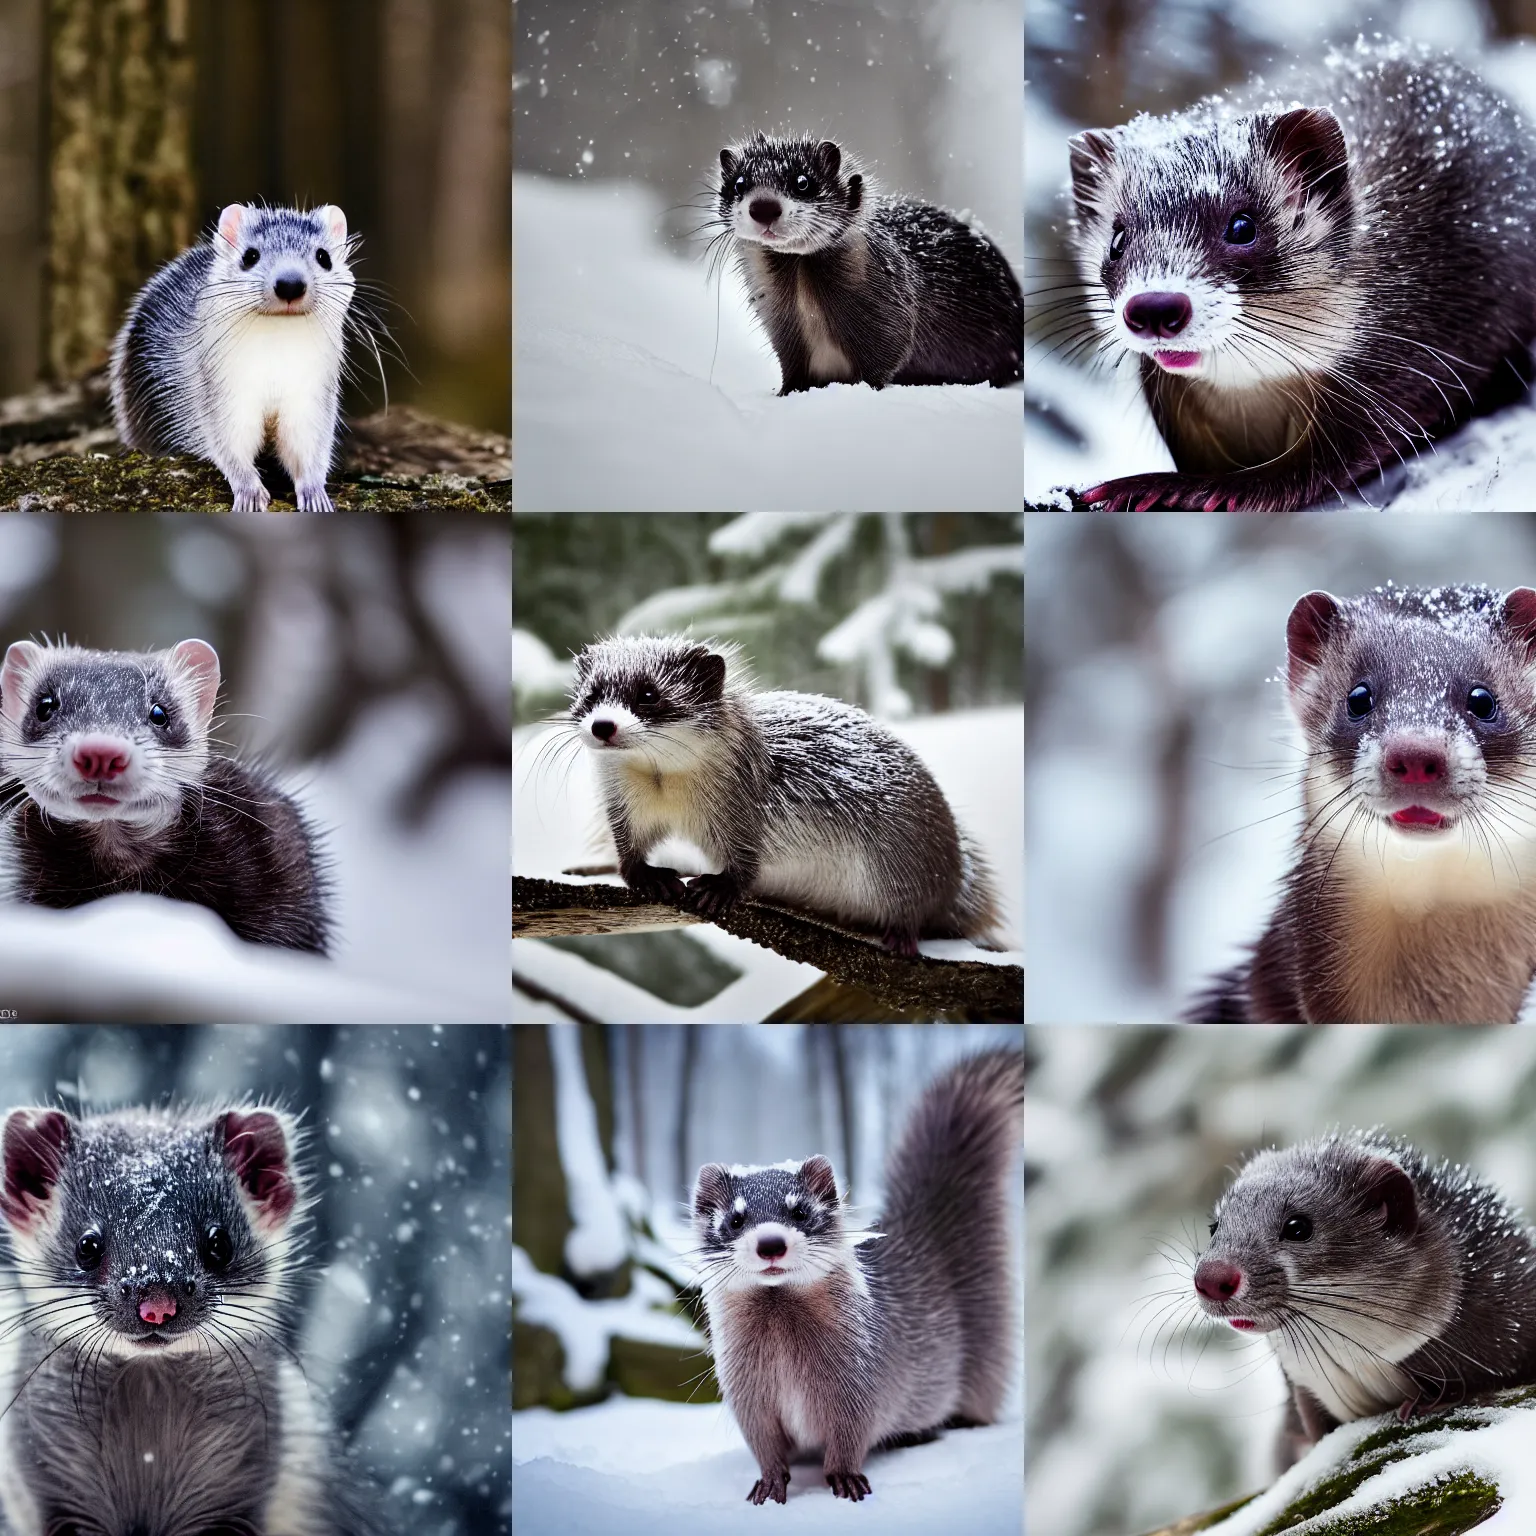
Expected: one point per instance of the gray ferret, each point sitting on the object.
(840, 1340)
(238, 345)
(122, 793)
(853, 287)
(1316, 281)
(797, 798)
(147, 1356)
(1412, 898)
(1382, 1281)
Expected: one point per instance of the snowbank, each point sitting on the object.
(638, 387)
(671, 1469)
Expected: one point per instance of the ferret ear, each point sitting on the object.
(1519, 618)
(32, 1147)
(827, 158)
(855, 192)
(1388, 1192)
(228, 233)
(200, 662)
(817, 1176)
(21, 660)
(258, 1149)
(709, 669)
(1312, 624)
(727, 164)
(712, 1189)
(334, 222)
(1093, 162)
(1308, 146)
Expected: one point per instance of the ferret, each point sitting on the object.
(121, 792)
(1412, 898)
(796, 798)
(147, 1357)
(1316, 284)
(1381, 1281)
(853, 287)
(239, 344)
(839, 1340)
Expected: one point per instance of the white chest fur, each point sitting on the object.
(272, 366)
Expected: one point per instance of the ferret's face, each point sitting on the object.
(276, 261)
(1416, 708)
(766, 1226)
(138, 1236)
(647, 699)
(102, 736)
(1194, 232)
(787, 195)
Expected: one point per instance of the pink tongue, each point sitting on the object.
(1178, 359)
(157, 1312)
(1417, 816)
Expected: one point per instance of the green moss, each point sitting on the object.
(662, 1370)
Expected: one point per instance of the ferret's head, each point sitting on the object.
(1418, 709)
(142, 1232)
(793, 195)
(1326, 1243)
(107, 736)
(652, 701)
(1216, 244)
(283, 261)
(781, 1225)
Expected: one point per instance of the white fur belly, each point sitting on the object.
(831, 878)
(275, 367)
(795, 1412)
(1352, 1380)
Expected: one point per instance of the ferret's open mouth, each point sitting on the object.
(1244, 1323)
(1419, 818)
(98, 799)
(1177, 362)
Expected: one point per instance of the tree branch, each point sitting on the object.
(972, 988)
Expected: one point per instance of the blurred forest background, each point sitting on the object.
(612, 1125)
(1138, 1414)
(1097, 66)
(125, 125)
(366, 658)
(403, 1327)
(1162, 765)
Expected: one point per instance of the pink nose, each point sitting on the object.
(1217, 1281)
(100, 760)
(157, 1310)
(1416, 765)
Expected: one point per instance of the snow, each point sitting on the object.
(596, 1242)
(673, 1469)
(635, 387)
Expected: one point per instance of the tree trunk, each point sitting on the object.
(121, 194)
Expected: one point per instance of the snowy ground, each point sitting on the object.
(672, 1469)
(976, 756)
(641, 385)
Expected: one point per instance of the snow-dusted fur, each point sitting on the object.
(853, 287)
(146, 1355)
(1433, 921)
(837, 1340)
(239, 344)
(1380, 1279)
(1317, 276)
(122, 793)
(797, 798)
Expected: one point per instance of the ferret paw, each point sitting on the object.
(848, 1485)
(655, 883)
(900, 941)
(1169, 492)
(774, 1486)
(710, 895)
(313, 498)
(251, 497)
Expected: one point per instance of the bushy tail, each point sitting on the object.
(976, 915)
(948, 1205)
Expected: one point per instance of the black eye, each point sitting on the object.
(740, 183)
(1241, 229)
(1361, 701)
(323, 256)
(48, 705)
(1482, 703)
(218, 1247)
(157, 716)
(648, 695)
(737, 1221)
(1297, 1229)
(90, 1250)
(1117, 245)
(251, 257)
(802, 183)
